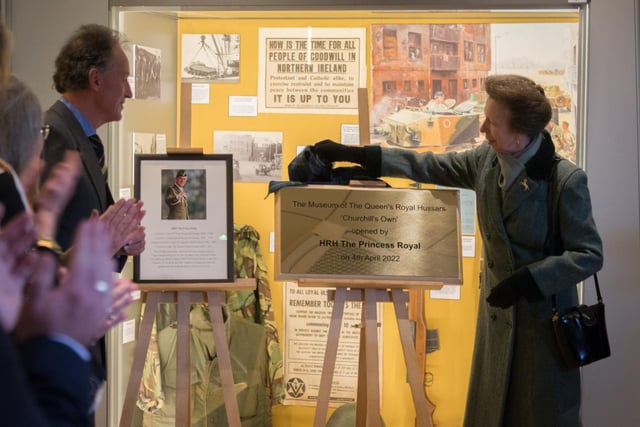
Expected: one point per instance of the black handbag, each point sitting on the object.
(581, 332)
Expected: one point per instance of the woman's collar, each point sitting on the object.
(540, 164)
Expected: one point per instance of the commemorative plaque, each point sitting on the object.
(343, 232)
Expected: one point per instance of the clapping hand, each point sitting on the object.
(123, 222)
(87, 300)
(121, 297)
(16, 262)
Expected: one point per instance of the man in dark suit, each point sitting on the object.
(91, 74)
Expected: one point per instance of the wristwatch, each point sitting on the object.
(48, 245)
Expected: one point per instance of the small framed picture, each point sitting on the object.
(189, 218)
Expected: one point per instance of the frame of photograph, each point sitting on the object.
(191, 247)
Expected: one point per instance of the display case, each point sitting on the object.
(263, 79)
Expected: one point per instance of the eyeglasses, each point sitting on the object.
(44, 131)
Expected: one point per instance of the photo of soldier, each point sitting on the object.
(176, 198)
(183, 193)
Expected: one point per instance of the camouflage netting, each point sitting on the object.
(250, 263)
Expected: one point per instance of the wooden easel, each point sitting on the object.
(370, 292)
(184, 295)
(368, 394)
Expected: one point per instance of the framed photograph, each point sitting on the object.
(189, 219)
(210, 58)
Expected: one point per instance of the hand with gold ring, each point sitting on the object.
(72, 308)
(121, 296)
(102, 286)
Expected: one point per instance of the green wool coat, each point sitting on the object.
(517, 376)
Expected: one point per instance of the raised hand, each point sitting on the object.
(122, 221)
(121, 298)
(16, 262)
(79, 306)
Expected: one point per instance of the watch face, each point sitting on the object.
(47, 245)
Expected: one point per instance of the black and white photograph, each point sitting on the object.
(257, 156)
(210, 58)
(147, 62)
(143, 143)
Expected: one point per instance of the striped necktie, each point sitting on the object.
(98, 147)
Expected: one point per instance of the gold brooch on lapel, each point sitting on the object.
(524, 184)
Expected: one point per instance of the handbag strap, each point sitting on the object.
(550, 239)
(595, 279)
(554, 310)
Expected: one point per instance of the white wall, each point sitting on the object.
(40, 28)
(612, 163)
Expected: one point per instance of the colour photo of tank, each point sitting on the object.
(427, 82)
(438, 123)
(423, 79)
(210, 58)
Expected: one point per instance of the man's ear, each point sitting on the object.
(95, 78)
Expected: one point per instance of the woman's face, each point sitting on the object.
(497, 131)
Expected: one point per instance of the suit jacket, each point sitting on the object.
(92, 191)
(46, 386)
(517, 375)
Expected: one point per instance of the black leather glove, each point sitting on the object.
(510, 290)
(329, 152)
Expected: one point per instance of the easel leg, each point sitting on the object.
(423, 417)
(371, 355)
(331, 351)
(216, 299)
(144, 336)
(361, 392)
(183, 361)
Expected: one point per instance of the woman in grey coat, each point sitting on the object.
(517, 376)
